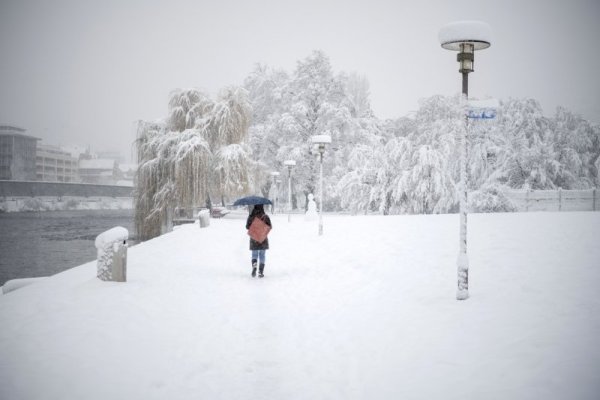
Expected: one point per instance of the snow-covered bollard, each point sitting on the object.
(204, 218)
(112, 254)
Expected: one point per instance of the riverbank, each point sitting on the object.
(64, 203)
(34, 244)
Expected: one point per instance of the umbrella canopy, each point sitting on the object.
(251, 201)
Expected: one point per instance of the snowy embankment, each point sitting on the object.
(366, 311)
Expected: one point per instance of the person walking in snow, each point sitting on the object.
(258, 248)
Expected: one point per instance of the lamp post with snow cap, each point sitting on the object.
(321, 142)
(465, 37)
(290, 164)
(274, 174)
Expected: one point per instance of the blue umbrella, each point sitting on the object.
(251, 201)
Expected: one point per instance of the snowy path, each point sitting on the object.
(365, 311)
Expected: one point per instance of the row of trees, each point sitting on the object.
(206, 149)
(410, 165)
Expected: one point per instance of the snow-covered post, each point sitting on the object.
(204, 218)
(463, 261)
(464, 37)
(321, 141)
(112, 254)
(321, 196)
(290, 165)
(559, 199)
(167, 222)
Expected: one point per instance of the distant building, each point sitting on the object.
(111, 155)
(17, 154)
(99, 171)
(127, 174)
(76, 151)
(55, 165)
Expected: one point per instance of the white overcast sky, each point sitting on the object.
(81, 72)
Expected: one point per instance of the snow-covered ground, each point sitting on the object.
(366, 311)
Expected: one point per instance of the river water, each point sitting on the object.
(34, 244)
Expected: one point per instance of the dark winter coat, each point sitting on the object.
(258, 212)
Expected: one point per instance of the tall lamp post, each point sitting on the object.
(465, 37)
(290, 164)
(321, 142)
(275, 174)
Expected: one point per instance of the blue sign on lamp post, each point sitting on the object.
(481, 113)
(482, 109)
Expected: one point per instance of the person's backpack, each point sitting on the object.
(258, 230)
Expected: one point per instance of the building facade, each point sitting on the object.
(99, 171)
(55, 165)
(17, 154)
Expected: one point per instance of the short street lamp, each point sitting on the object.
(278, 185)
(321, 141)
(464, 37)
(274, 174)
(290, 164)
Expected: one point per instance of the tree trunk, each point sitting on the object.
(388, 203)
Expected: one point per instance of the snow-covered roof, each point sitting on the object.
(12, 130)
(75, 150)
(477, 32)
(125, 182)
(128, 167)
(98, 163)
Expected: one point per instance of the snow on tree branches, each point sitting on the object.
(196, 153)
(207, 148)
(411, 164)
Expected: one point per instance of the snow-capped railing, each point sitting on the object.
(555, 200)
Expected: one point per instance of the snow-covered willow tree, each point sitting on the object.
(196, 153)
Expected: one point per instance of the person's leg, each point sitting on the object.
(255, 254)
(261, 267)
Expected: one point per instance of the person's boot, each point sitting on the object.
(253, 268)
(261, 270)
